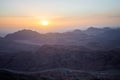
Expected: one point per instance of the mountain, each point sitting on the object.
(23, 35)
(93, 37)
(58, 56)
(96, 31)
(32, 37)
(109, 37)
(1, 37)
(9, 46)
(92, 54)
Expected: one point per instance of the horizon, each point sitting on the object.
(57, 15)
(3, 34)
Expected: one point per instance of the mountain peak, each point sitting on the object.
(26, 31)
(23, 34)
(92, 29)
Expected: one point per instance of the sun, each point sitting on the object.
(44, 22)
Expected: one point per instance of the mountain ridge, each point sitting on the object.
(91, 36)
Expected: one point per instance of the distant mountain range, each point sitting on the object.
(92, 36)
(94, 49)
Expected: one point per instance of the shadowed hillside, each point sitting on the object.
(92, 54)
(73, 57)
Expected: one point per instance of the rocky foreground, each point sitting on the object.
(59, 74)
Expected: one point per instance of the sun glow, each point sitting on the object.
(44, 22)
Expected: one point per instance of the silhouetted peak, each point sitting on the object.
(76, 31)
(23, 34)
(27, 31)
(93, 29)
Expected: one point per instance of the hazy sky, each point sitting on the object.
(61, 14)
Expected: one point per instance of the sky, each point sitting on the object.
(61, 15)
